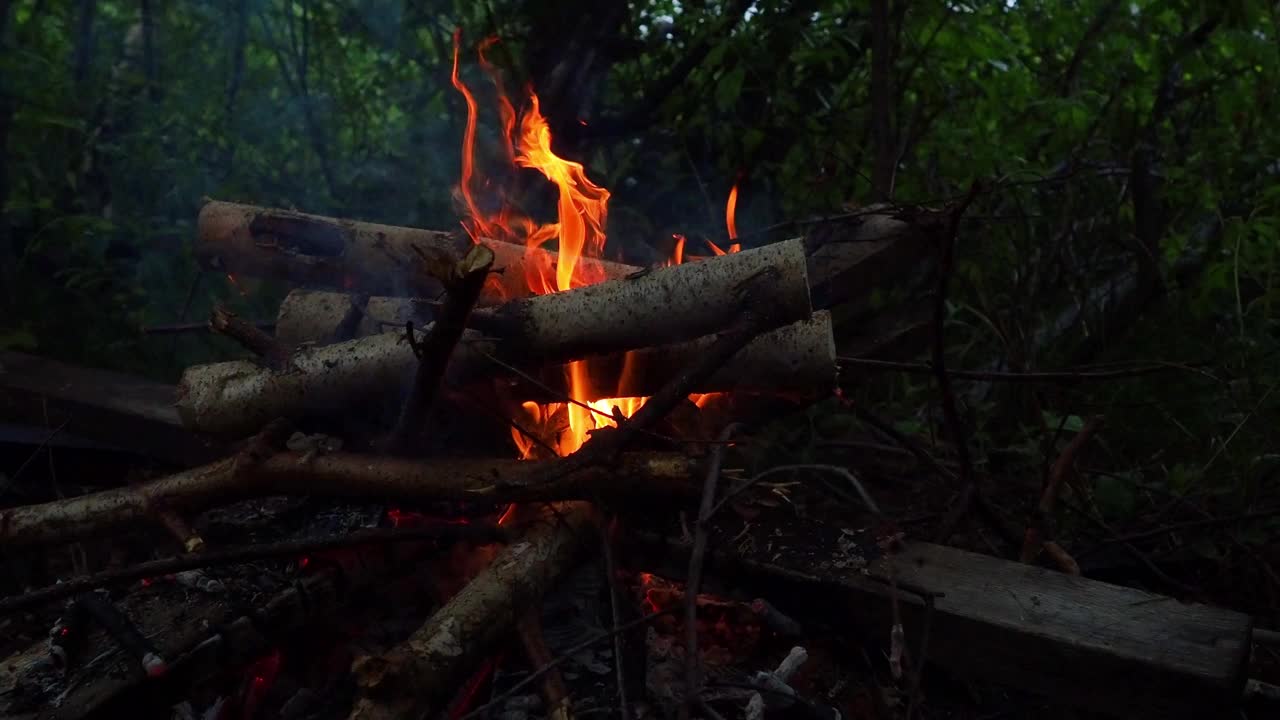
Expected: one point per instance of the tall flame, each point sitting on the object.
(468, 149)
(582, 211)
(730, 213)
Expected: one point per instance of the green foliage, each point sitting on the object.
(346, 108)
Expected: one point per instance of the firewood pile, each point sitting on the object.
(464, 475)
(448, 492)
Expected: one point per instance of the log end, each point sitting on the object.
(200, 402)
(220, 228)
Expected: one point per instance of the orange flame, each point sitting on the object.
(730, 211)
(582, 212)
(677, 255)
(468, 147)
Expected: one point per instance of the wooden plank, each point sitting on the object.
(133, 414)
(1104, 647)
(1082, 643)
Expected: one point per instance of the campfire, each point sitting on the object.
(501, 471)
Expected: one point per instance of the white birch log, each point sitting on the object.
(666, 306)
(318, 252)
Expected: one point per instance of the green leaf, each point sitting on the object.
(1115, 496)
(716, 56)
(729, 88)
(51, 119)
(1182, 477)
(18, 339)
(1072, 423)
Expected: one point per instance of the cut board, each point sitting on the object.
(1078, 642)
(130, 413)
(1104, 647)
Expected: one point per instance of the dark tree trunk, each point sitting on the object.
(149, 65)
(8, 256)
(83, 57)
(238, 43)
(882, 110)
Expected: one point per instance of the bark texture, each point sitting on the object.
(417, 677)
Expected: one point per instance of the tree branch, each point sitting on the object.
(472, 532)
(463, 282)
(653, 97)
(264, 473)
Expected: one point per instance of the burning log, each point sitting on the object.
(660, 306)
(668, 305)
(318, 252)
(338, 475)
(799, 357)
(315, 251)
(236, 396)
(415, 678)
(240, 396)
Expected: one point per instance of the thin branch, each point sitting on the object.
(615, 607)
(834, 469)
(692, 666)
(917, 668)
(924, 457)
(555, 694)
(1179, 527)
(1139, 556)
(1057, 376)
(183, 328)
(946, 265)
(651, 100)
(216, 558)
(1088, 41)
(463, 282)
(275, 355)
(985, 510)
(568, 655)
(7, 481)
(1038, 535)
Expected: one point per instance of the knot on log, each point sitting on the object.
(383, 677)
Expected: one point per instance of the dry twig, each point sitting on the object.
(692, 665)
(463, 281)
(273, 354)
(946, 265)
(1037, 535)
(1065, 377)
(232, 556)
(568, 655)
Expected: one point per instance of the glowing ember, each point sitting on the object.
(236, 284)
